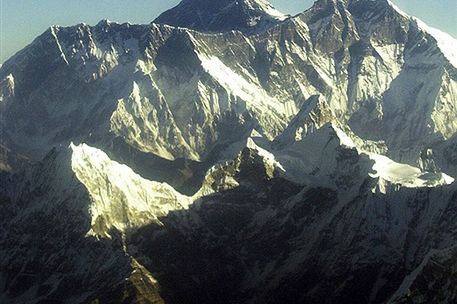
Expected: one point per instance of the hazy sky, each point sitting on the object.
(23, 20)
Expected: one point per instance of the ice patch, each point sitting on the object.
(406, 175)
(345, 140)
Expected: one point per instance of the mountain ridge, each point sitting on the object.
(231, 162)
(213, 16)
(125, 25)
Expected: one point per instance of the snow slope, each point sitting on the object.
(406, 175)
(127, 200)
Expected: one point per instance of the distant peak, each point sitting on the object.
(323, 3)
(222, 15)
(445, 42)
(351, 2)
(105, 22)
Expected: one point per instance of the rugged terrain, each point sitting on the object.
(228, 153)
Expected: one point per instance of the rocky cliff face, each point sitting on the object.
(226, 153)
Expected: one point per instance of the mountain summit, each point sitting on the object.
(221, 15)
(232, 157)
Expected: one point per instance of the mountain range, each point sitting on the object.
(229, 153)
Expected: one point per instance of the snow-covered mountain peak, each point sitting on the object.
(120, 198)
(250, 164)
(333, 150)
(446, 43)
(328, 2)
(314, 114)
(104, 22)
(222, 15)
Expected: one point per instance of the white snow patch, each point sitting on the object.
(62, 54)
(255, 134)
(238, 86)
(10, 78)
(448, 179)
(7, 87)
(345, 140)
(406, 175)
(11, 83)
(268, 156)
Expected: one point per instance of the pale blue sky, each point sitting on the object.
(23, 20)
